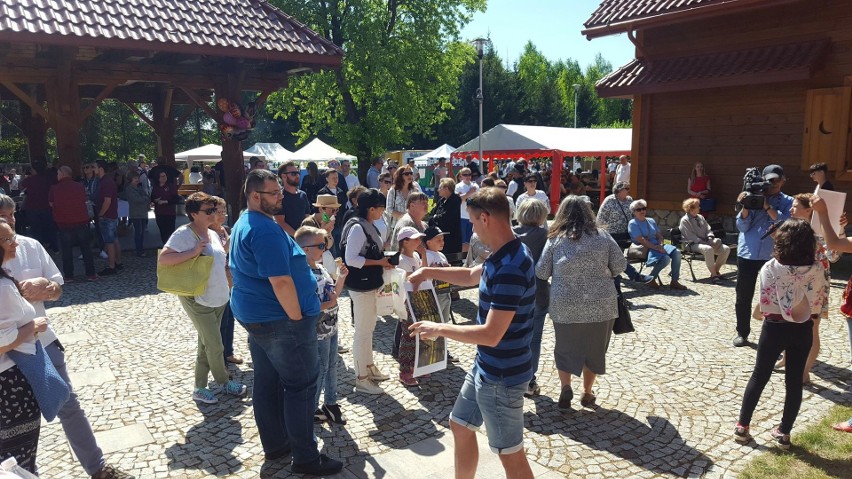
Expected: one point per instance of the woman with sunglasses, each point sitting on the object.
(645, 232)
(205, 311)
(403, 185)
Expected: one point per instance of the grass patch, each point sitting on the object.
(817, 452)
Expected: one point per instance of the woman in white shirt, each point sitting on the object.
(205, 311)
(791, 296)
(20, 416)
(530, 182)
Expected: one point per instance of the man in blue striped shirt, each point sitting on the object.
(493, 390)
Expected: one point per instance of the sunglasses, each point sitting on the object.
(387, 182)
(408, 173)
(640, 209)
(210, 211)
(319, 246)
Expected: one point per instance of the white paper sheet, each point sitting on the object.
(836, 202)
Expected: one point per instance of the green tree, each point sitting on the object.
(399, 77)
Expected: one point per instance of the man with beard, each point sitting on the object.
(275, 299)
(295, 206)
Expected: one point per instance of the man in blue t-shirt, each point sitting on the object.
(755, 247)
(274, 298)
(493, 390)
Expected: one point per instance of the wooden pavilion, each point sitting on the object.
(62, 59)
(732, 84)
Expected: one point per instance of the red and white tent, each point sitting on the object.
(511, 142)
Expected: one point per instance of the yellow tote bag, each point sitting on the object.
(185, 279)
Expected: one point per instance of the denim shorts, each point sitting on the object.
(109, 228)
(499, 407)
(466, 230)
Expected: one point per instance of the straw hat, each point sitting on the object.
(327, 201)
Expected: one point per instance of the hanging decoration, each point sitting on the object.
(237, 121)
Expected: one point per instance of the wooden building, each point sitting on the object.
(732, 84)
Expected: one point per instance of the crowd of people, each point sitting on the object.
(301, 241)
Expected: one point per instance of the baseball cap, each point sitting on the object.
(773, 172)
(408, 232)
(433, 231)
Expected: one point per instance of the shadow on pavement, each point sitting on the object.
(209, 445)
(656, 446)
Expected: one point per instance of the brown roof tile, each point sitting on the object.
(774, 63)
(617, 16)
(238, 28)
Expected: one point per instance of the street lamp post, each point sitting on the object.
(576, 93)
(479, 43)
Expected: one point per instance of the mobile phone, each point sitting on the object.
(394, 259)
(325, 218)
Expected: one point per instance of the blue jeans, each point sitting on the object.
(139, 227)
(631, 273)
(286, 366)
(42, 227)
(673, 258)
(226, 329)
(539, 315)
(327, 378)
(73, 419)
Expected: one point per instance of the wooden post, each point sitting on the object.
(34, 127)
(164, 125)
(63, 100)
(232, 152)
(602, 180)
(555, 180)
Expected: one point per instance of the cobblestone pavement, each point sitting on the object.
(667, 405)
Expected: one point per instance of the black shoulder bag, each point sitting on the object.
(368, 278)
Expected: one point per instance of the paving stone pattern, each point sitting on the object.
(667, 405)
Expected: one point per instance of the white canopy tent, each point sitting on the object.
(521, 141)
(515, 141)
(429, 159)
(206, 154)
(320, 152)
(271, 152)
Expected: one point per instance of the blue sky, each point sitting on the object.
(552, 25)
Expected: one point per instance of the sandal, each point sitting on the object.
(588, 400)
(408, 380)
(843, 426)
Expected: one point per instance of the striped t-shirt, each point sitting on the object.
(508, 284)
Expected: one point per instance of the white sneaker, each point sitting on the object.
(375, 374)
(103, 255)
(367, 386)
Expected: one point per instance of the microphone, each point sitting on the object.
(771, 229)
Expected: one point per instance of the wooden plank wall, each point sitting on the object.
(730, 129)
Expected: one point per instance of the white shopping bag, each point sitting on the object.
(390, 298)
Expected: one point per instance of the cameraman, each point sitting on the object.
(754, 247)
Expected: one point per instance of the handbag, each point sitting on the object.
(637, 252)
(185, 279)
(390, 298)
(50, 390)
(846, 304)
(623, 323)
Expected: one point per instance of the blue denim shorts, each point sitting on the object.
(109, 229)
(466, 230)
(499, 407)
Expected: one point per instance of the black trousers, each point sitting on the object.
(79, 236)
(747, 271)
(166, 225)
(777, 336)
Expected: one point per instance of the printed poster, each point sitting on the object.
(430, 355)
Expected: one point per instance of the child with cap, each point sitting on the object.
(434, 258)
(410, 241)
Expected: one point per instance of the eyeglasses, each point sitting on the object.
(210, 211)
(291, 173)
(640, 209)
(9, 240)
(319, 246)
(276, 193)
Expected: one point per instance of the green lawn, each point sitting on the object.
(818, 451)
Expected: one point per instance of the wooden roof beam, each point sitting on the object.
(30, 102)
(98, 100)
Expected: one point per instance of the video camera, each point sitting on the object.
(755, 184)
